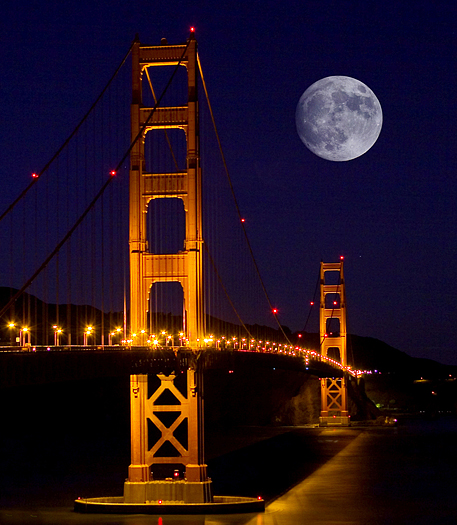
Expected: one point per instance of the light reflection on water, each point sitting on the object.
(383, 475)
(68, 517)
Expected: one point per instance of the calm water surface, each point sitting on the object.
(395, 475)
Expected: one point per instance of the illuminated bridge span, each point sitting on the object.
(42, 365)
(89, 269)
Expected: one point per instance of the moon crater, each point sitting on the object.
(338, 118)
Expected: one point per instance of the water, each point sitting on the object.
(378, 476)
(53, 453)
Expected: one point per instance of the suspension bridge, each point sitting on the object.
(128, 251)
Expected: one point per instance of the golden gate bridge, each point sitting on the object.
(125, 244)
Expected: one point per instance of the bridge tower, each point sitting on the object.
(333, 336)
(170, 406)
(185, 266)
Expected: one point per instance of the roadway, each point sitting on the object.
(50, 364)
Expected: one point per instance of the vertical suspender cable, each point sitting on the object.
(237, 206)
(68, 321)
(102, 242)
(95, 199)
(55, 320)
(13, 204)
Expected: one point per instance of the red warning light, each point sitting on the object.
(312, 303)
(259, 498)
(243, 220)
(341, 257)
(299, 335)
(35, 175)
(160, 502)
(275, 311)
(192, 29)
(112, 173)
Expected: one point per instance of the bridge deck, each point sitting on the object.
(19, 368)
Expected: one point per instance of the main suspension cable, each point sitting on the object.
(313, 302)
(219, 278)
(236, 204)
(37, 175)
(99, 194)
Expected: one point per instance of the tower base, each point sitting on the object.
(219, 505)
(334, 421)
(179, 491)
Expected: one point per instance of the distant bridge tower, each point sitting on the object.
(185, 266)
(333, 337)
(176, 412)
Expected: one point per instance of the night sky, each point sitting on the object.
(391, 212)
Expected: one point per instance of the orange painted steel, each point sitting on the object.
(147, 268)
(332, 314)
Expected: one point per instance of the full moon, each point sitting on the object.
(338, 118)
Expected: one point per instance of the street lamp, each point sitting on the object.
(11, 325)
(89, 331)
(23, 333)
(117, 331)
(209, 341)
(57, 332)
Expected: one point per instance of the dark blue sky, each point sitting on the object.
(391, 213)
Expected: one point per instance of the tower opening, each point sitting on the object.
(165, 151)
(332, 277)
(333, 327)
(166, 225)
(166, 301)
(333, 352)
(332, 301)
